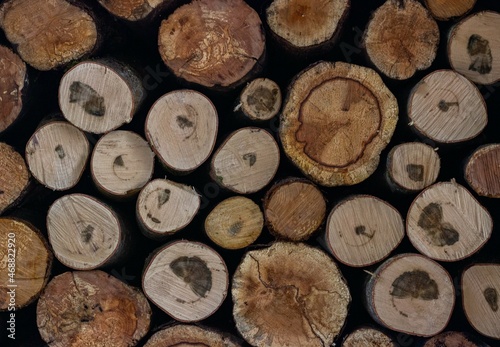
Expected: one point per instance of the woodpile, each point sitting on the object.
(278, 173)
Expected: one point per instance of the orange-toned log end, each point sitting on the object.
(214, 43)
(131, 10)
(191, 335)
(14, 177)
(401, 38)
(279, 301)
(368, 337)
(48, 33)
(91, 309)
(453, 339)
(33, 263)
(447, 9)
(483, 169)
(294, 209)
(337, 119)
(12, 78)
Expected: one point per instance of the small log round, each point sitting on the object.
(362, 230)
(182, 128)
(165, 207)
(453, 339)
(13, 81)
(121, 164)
(413, 166)
(301, 24)
(289, 295)
(218, 44)
(234, 223)
(27, 263)
(85, 233)
(337, 119)
(445, 222)
(48, 33)
(14, 177)
(294, 209)
(412, 294)
(190, 335)
(100, 96)
(132, 10)
(260, 100)
(474, 47)
(85, 308)
(481, 298)
(367, 337)
(447, 9)
(446, 107)
(187, 280)
(57, 155)
(247, 161)
(393, 48)
(483, 169)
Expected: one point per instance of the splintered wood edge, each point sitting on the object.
(289, 123)
(76, 35)
(113, 173)
(366, 241)
(190, 334)
(84, 232)
(367, 337)
(131, 10)
(474, 47)
(415, 267)
(165, 207)
(255, 139)
(419, 47)
(13, 75)
(302, 209)
(265, 312)
(14, 177)
(261, 99)
(76, 305)
(303, 24)
(174, 288)
(445, 10)
(234, 223)
(483, 169)
(413, 166)
(454, 338)
(182, 128)
(480, 298)
(33, 262)
(99, 96)
(446, 225)
(57, 155)
(455, 111)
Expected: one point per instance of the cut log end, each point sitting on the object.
(78, 307)
(367, 337)
(445, 222)
(14, 177)
(411, 294)
(260, 100)
(413, 166)
(84, 232)
(12, 83)
(396, 51)
(187, 38)
(303, 24)
(182, 128)
(447, 9)
(474, 47)
(235, 223)
(165, 207)
(362, 230)
(131, 10)
(481, 298)
(446, 107)
(247, 161)
(32, 266)
(48, 34)
(483, 169)
(122, 163)
(279, 301)
(337, 119)
(453, 339)
(187, 280)
(190, 335)
(57, 155)
(294, 209)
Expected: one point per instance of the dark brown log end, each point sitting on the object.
(453, 339)
(14, 177)
(483, 169)
(12, 79)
